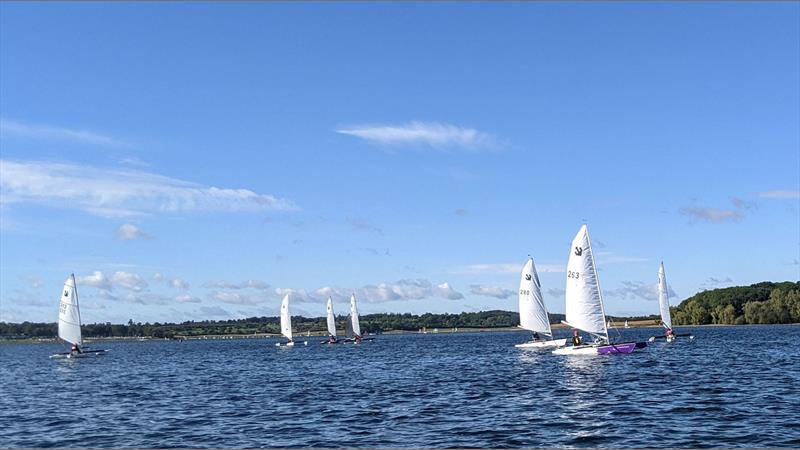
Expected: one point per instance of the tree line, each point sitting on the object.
(760, 303)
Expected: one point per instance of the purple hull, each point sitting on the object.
(627, 347)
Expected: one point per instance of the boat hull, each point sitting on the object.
(543, 344)
(86, 354)
(607, 349)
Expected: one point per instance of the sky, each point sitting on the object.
(198, 161)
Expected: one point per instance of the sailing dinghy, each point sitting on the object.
(353, 330)
(584, 300)
(532, 312)
(331, 325)
(69, 323)
(663, 304)
(286, 323)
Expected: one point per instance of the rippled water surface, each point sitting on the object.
(730, 387)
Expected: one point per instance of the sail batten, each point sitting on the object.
(663, 297)
(286, 318)
(331, 319)
(69, 314)
(584, 302)
(532, 311)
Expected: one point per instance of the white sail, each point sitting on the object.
(354, 316)
(663, 297)
(584, 302)
(286, 318)
(69, 314)
(331, 320)
(532, 312)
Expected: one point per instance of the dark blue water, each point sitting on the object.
(730, 387)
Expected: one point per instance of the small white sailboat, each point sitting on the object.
(286, 323)
(69, 323)
(663, 306)
(353, 331)
(331, 322)
(532, 311)
(626, 324)
(584, 303)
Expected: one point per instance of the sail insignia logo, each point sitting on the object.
(66, 294)
(528, 277)
(578, 251)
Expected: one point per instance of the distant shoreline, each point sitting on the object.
(318, 334)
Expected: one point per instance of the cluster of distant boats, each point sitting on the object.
(584, 312)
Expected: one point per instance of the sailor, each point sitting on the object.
(75, 349)
(668, 333)
(331, 340)
(576, 338)
(535, 336)
(358, 339)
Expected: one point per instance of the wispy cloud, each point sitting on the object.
(247, 284)
(364, 224)
(234, 298)
(491, 291)
(120, 192)
(179, 283)
(780, 194)
(475, 269)
(437, 135)
(637, 290)
(461, 212)
(613, 258)
(712, 215)
(15, 128)
(407, 289)
(186, 298)
(130, 232)
(126, 280)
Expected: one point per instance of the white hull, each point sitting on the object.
(580, 350)
(543, 344)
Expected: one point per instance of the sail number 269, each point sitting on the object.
(571, 274)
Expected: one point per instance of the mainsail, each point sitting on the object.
(354, 316)
(331, 320)
(532, 312)
(663, 297)
(69, 315)
(286, 318)
(584, 302)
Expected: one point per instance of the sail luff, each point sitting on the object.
(663, 297)
(532, 311)
(69, 315)
(331, 319)
(286, 318)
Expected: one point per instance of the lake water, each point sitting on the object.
(730, 387)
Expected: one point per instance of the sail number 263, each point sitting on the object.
(571, 274)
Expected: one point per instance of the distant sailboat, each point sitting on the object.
(286, 323)
(532, 311)
(353, 330)
(626, 324)
(663, 305)
(331, 324)
(584, 303)
(69, 323)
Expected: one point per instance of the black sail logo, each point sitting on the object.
(578, 251)
(528, 277)
(66, 294)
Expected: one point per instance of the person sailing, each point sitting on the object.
(535, 336)
(576, 338)
(331, 339)
(669, 334)
(75, 350)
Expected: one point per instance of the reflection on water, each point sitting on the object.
(457, 390)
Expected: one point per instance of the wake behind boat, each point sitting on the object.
(584, 304)
(532, 311)
(69, 323)
(663, 304)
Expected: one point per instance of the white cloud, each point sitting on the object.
(11, 127)
(120, 192)
(638, 290)
(130, 232)
(613, 258)
(712, 215)
(491, 291)
(780, 194)
(234, 298)
(186, 298)
(178, 283)
(407, 289)
(474, 269)
(428, 133)
(126, 280)
(248, 284)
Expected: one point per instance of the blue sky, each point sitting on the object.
(196, 161)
